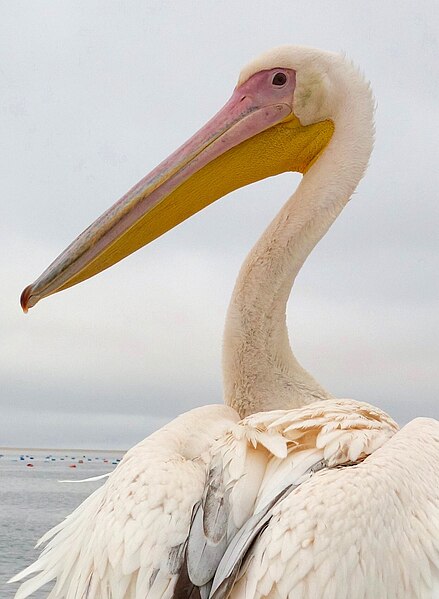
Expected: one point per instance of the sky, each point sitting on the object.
(93, 95)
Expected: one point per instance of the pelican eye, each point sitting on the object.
(279, 79)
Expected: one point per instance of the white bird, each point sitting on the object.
(250, 499)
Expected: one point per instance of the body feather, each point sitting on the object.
(135, 537)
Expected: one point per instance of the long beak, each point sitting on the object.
(244, 142)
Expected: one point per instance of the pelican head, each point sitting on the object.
(280, 117)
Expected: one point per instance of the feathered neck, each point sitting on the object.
(259, 368)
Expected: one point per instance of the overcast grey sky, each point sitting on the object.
(93, 95)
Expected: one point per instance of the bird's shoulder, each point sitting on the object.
(258, 462)
(369, 530)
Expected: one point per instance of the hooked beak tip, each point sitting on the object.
(25, 299)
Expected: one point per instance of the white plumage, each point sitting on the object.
(289, 492)
(135, 519)
(363, 532)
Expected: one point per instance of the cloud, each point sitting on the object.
(95, 95)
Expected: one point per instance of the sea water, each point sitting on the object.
(32, 500)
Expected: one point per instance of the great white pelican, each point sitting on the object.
(284, 491)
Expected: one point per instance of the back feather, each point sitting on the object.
(257, 464)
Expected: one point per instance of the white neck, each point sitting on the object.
(260, 370)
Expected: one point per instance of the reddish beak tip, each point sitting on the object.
(24, 298)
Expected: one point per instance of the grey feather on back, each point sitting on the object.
(207, 540)
(212, 562)
(239, 548)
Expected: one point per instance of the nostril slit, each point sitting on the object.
(243, 98)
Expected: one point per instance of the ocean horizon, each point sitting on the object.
(33, 500)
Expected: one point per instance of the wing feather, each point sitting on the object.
(183, 510)
(125, 539)
(257, 463)
(362, 532)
